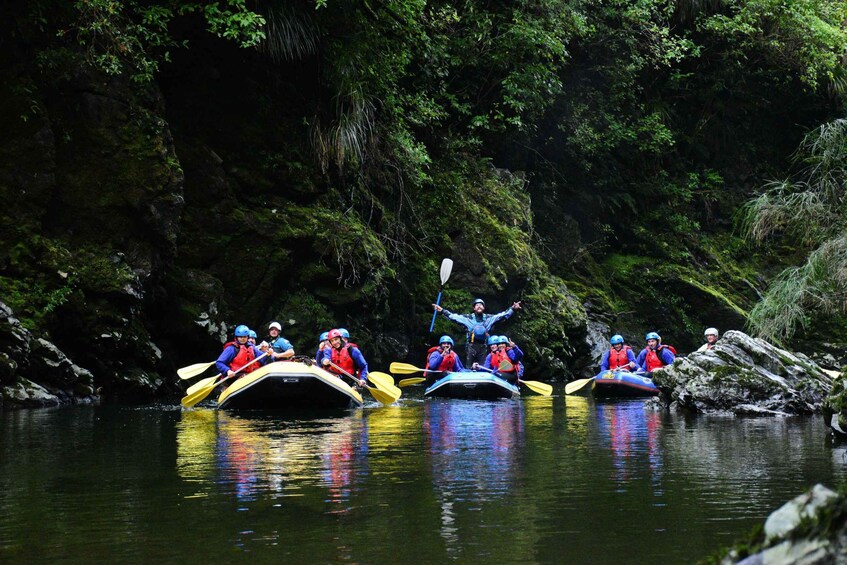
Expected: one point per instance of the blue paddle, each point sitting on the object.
(446, 269)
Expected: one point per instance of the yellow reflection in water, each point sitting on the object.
(577, 414)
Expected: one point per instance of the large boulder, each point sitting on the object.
(34, 372)
(810, 529)
(743, 375)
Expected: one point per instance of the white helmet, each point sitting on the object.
(711, 331)
(275, 325)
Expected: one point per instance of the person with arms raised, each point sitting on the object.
(478, 325)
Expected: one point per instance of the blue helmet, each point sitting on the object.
(479, 301)
(616, 339)
(493, 339)
(653, 335)
(445, 339)
(503, 339)
(242, 331)
(253, 335)
(323, 336)
(344, 333)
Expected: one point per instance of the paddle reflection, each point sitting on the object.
(265, 455)
(632, 434)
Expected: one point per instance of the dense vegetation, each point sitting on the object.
(190, 165)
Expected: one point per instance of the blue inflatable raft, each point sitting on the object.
(613, 384)
(477, 385)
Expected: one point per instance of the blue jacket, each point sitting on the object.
(515, 354)
(665, 355)
(358, 359)
(228, 354)
(478, 327)
(435, 362)
(604, 362)
(280, 344)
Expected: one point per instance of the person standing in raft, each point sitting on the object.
(711, 335)
(619, 357)
(238, 353)
(278, 347)
(655, 355)
(478, 325)
(347, 357)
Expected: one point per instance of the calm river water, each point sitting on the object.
(558, 479)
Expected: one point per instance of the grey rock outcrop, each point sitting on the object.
(743, 375)
(34, 372)
(809, 529)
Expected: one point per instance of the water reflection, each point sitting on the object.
(632, 435)
(268, 456)
(473, 448)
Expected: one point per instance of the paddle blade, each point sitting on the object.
(411, 381)
(505, 365)
(538, 387)
(446, 269)
(404, 369)
(381, 379)
(576, 385)
(383, 396)
(201, 384)
(190, 400)
(193, 370)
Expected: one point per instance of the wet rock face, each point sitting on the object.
(808, 529)
(743, 375)
(34, 372)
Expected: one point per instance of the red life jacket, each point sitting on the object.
(343, 359)
(653, 360)
(500, 356)
(618, 359)
(243, 355)
(448, 362)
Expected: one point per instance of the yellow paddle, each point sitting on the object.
(194, 370)
(200, 393)
(576, 385)
(535, 386)
(383, 396)
(383, 381)
(412, 381)
(404, 369)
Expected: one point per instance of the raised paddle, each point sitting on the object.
(446, 269)
(383, 396)
(200, 393)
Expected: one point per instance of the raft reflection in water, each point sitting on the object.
(269, 456)
(632, 434)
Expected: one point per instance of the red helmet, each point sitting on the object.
(333, 333)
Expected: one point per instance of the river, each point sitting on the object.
(540, 479)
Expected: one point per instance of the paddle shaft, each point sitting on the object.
(191, 399)
(435, 312)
